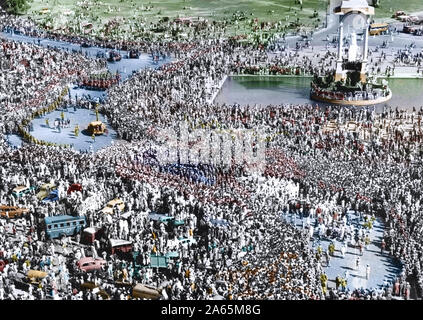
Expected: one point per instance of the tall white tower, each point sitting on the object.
(352, 8)
(336, 3)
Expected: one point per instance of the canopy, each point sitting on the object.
(349, 6)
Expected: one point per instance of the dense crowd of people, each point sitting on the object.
(33, 76)
(235, 241)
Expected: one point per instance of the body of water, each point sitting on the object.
(265, 90)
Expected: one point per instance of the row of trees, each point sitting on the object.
(15, 6)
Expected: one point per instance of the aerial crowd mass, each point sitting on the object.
(212, 222)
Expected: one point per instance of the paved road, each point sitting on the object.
(398, 40)
(383, 268)
(80, 117)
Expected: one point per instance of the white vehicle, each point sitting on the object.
(187, 241)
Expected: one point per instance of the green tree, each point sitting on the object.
(16, 6)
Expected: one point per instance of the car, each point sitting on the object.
(90, 264)
(74, 187)
(19, 191)
(12, 211)
(111, 205)
(160, 217)
(220, 222)
(144, 291)
(187, 241)
(2, 265)
(45, 190)
(35, 276)
(91, 286)
(120, 246)
(53, 196)
(89, 235)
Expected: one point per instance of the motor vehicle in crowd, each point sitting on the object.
(160, 217)
(398, 14)
(156, 260)
(378, 28)
(35, 276)
(120, 246)
(12, 211)
(88, 264)
(114, 56)
(89, 235)
(91, 286)
(45, 190)
(145, 291)
(53, 196)
(63, 225)
(74, 187)
(112, 205)
(2, 265)
(20, 191)
(134, 54)
(187, 241)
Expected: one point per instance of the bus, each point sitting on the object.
(64, 225)
(144, 291)
(378, 28)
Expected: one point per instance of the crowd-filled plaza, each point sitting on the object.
(130, 170)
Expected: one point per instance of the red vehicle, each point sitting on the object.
(121, 246)
(2, 265)
(74, 187)
(89, 235)
(90, 264)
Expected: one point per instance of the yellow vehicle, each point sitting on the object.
(96, 128)
(45, 190)
(145, 291)
(95, 289)
(111, 205)
(378, 28)
(44, 10)
(34, 276)
(12, 211)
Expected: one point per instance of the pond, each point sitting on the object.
(265, 90)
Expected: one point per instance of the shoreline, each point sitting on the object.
(352, 102)
(403, 76)
(269, 75)
(219, 88)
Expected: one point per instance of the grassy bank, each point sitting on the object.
(143, 15)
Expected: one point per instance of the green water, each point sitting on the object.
(262, 90)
